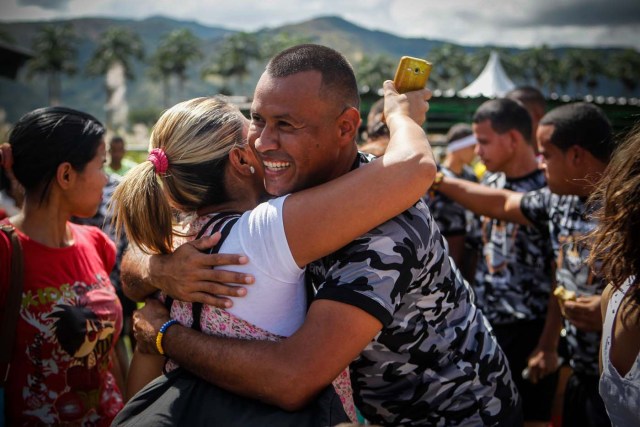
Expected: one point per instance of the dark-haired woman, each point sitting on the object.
(62, 371)
(616, 254)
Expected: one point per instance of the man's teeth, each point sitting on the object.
(276, 165)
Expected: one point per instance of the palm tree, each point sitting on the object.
(185, 47)
(112, 58)
(234, 56)
(55, 54)
(161, 67)
(372, 71)
(173, 56)
(625, 67)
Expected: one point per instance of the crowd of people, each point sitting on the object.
(347, 288)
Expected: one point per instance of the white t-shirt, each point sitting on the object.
(277, 300)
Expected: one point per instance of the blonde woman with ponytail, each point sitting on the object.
(199, 136)
(201, 169)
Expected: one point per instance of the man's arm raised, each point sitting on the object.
(187, 274)
(482, 200)
(287, 373)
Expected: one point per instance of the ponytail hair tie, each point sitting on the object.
(6, 156)
(159, 160)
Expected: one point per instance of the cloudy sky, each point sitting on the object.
(520, 23)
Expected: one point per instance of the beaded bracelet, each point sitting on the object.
(161, 332)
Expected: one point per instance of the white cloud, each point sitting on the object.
(508, 23)
(502, 22)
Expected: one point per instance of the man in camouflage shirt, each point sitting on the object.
(513, 276)
(389, 304)
(432, 361)
(576, 143)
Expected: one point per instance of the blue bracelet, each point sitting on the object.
(161, 333)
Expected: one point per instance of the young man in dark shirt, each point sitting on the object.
(576, 142)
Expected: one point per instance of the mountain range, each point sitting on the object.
(144, 93)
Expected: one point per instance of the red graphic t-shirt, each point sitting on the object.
(70, 320)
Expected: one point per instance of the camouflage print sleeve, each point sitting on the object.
(450, 216)
(535, 205)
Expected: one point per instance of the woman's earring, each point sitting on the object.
(252, 170)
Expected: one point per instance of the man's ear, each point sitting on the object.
(348, 124)
(576, 155)
(515, 138)
(65, 175)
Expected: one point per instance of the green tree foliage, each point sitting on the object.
(116, 49)
(161, 67)
(147, 116)
(452, 66)
(576, 66)
(117, 44)
(176, 51)
(625, 67)
(538, 65)
(542, 67)
(233, 57)
(594, 67)
(55, 54)
(479, 58)
(372, 71)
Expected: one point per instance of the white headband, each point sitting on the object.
(461, 143)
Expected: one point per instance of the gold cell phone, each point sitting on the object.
(412, 74)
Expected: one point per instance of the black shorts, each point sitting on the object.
(518, 340)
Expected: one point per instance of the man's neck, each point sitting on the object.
(115, 165)
(348, 161)
(523, 163)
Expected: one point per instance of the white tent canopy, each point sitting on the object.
(492, 82)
